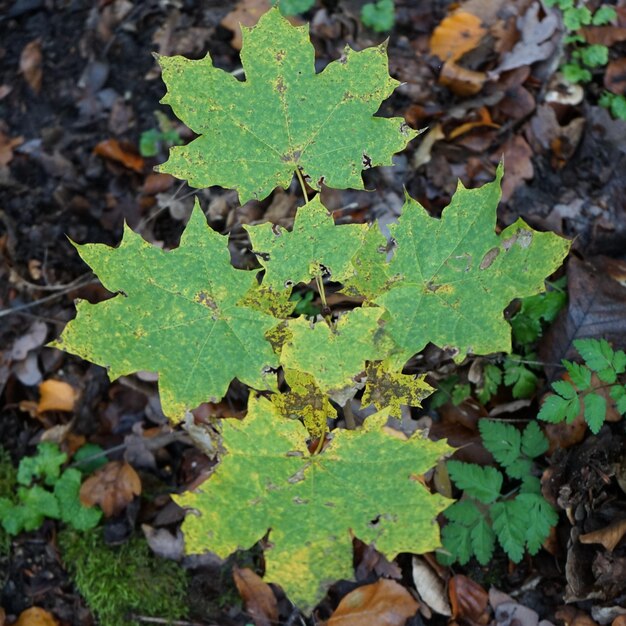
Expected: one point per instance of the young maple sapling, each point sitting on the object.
(189, 315)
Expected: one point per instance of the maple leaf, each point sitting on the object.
(314, 245)
(333, 356)
(386, 388)
(176, 313)
(365, 483)
(455, 275)
(255, 133)
(305, 401)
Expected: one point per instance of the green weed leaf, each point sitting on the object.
(379, 15)
(455, 276)
(177, 313)
(71, 511)
(594, 411)
(364, 482)
(255, 133)
(534, 442)
(482, 483)
(503, 440)
(517, 376)
(46, 464)
(510, 524)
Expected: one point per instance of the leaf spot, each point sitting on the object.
(299, 500)
(489, 258)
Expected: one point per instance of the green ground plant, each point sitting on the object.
(8, 481)
(581, 392)
(584, 57)
(44, 490)
(520, 519)
(199, 322)
(117, 582)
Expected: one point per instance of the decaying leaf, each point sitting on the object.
(56, 395)
(176, 313)
(364, 482)
(35, 616)
(383, 603)
(469, 600)
(456, 34)
(30, 64)
(455, 276)
(609, 536)
(115, 151)
(255, 134)
(430, 587)
(257, 595)
(386, 388)
(112, 487)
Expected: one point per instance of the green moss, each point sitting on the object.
(8, 478)
(129, 579)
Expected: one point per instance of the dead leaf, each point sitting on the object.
(163, 543)
(247, 13)
(571, 616)
(36, 617)
(620, 620)
(604, 35)
(257, 595)
(430, 586)
(517, 155)
(383, 603)
(423, 153)
(6, 147)
(615, 76)
(461, 81)
(484, 119)
(535, 44)
(455, 35)
(596, 309)
(112, 487)
(469, 601)
(56, 395)
(5, 90)
(563, 435)
(157, 183)
(609, 536)
(120, 152)
(30, 64)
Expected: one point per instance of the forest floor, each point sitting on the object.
(80, 88)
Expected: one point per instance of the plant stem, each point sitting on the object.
(302, 184)
(319, 281)
(348, 416)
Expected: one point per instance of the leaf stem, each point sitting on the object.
(348, 416)
(326, 313)
(303, 185)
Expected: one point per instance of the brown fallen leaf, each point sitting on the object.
(609, 536)
(383, 603)
(257, 595)
(157, 183)
(517, 155)
(56, 395)
(469, 601)
(430, 587)
(6, 147)
(484, 119)
(122, 153)
(615, 76)
(461, 81)
(30, 64)
(455, 35)
(595, 309)
(36, 617)
(245, 13)
(112, 487)
(571, 616)
(604, 35)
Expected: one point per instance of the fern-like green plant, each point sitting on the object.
(520, 520)
(579, 393)
(189, 315)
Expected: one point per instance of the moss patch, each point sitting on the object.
(129, 579)
(8, 479)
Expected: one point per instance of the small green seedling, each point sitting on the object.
(189, 315)
(44, 490)
(379, 16)
(520, 519)
(580, 393)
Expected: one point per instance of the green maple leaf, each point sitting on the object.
(177, 313)
(333, 356)
(388, 389)
(313, 243)
(254, 134)
(455, 275)
(365, 484)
